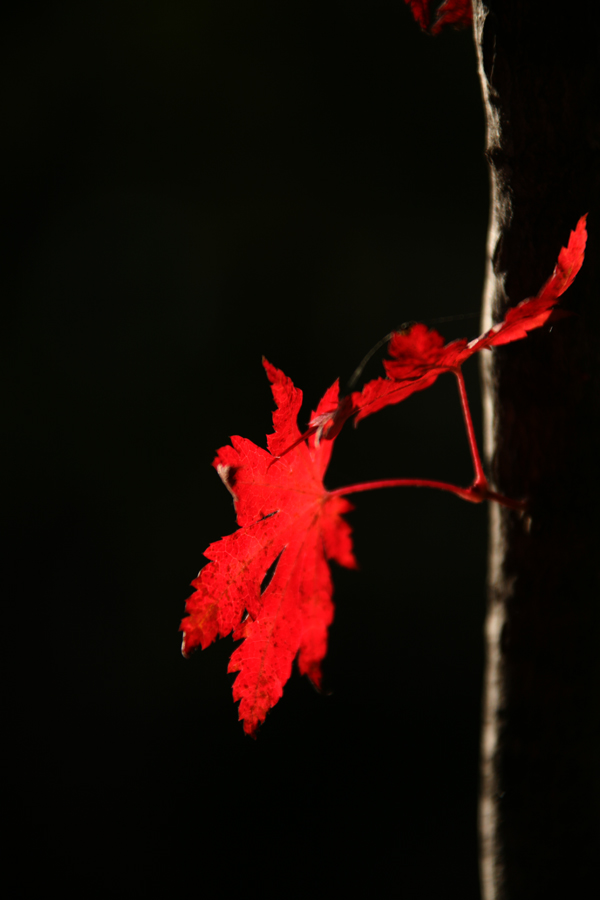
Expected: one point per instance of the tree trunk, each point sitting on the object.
(540, 743)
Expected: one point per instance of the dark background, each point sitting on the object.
(191, 185)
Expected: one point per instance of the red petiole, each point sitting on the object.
(480, 479)
(476, 493)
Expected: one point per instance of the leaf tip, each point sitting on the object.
(184, 652)
(271, 370)
(226, 474)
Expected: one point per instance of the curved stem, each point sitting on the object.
(404, 482)
(477, 493)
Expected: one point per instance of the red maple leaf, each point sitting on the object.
(287, 518)
(420, 11)
(453, 12)
(419, 354)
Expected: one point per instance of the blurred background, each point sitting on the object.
(192, 185)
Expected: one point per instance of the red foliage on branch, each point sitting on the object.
(290, 526)
(419, 354)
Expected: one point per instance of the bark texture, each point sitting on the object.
(540, 745)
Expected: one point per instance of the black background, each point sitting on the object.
(190, 186)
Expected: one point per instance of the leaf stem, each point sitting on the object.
(477, 493)
(480, 479)
(403, 482)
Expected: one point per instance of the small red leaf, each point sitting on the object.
(458, 13)
(420, 11)
(419, 355)
(453, 12)
(535, 311)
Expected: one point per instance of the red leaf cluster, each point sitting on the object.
(453, 12)
(419, 354)
(289, 522)
(286, 518)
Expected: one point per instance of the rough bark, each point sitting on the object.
(540, 751)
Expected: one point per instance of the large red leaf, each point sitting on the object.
(285, 515)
